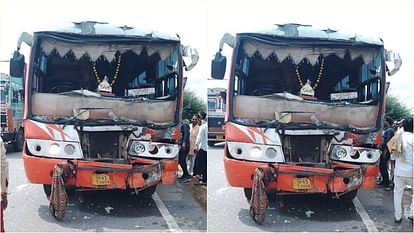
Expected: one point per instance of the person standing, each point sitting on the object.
(184, 149)
(4, 181)
(194, 128)
(201, 145)
(385, 155)
(401, 147)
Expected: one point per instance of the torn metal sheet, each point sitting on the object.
(45, 104)
(310, 112)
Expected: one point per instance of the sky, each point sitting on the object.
(201, 24)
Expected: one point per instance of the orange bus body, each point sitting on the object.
(117, 132)
(308, 103)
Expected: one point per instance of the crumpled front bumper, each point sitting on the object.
(139, 174)
(341, 177)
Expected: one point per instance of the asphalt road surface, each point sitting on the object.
(179, 207)
(228, 210)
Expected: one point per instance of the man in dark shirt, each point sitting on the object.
(385, 155)
(184, 149)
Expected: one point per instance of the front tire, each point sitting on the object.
(148, 192)
(349, 196)
(248, 193)
(19, 140)
(47, 188)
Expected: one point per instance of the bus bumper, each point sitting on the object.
(340, 178)
(102, 175)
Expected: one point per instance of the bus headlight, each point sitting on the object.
(271, 152)
(152, 149)
(340, 152)
(139, 148)
(69, 149)
(354, 154)
(54, 149)
(256, 152)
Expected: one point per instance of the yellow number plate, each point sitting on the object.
(301, 183)
(100, 179)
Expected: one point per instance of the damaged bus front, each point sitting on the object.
(306, 105)
(104, 103)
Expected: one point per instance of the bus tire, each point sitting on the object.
(47, 188)
(349, 196)
(248, 193)
(18, 140)
(147, 193)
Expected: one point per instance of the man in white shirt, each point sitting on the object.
(201, 145)
(403, 171)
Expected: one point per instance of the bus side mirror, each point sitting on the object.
(218, 66)
(17, 65)
(184, 82)
(395, 60)
(192, 53)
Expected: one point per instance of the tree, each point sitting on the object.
(192, 104)
(395, 109)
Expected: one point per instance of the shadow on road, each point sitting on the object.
(315, 208)
(99, 209)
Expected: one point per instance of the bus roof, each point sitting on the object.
(101, 29)
(300, 31)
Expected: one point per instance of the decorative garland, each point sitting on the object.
(317, 80)
(118, 65)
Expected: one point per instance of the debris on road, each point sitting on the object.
(308, 213)
(108, 209)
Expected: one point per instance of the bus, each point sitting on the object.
(107, 100)
(216, 98)
(307, 102)
(11, 110)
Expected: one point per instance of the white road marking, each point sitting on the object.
(172, 224)
(364, 215)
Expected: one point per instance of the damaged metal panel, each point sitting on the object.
(311, 53)
(95, 50)
(45, 104)
(306, 112)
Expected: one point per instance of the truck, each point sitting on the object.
(307, 102)
(216, 98)
(106, 99)
(11, 110)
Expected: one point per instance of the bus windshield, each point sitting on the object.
(331, 86)
(130, 82)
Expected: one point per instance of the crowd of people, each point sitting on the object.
(397, 153)
(193, 149)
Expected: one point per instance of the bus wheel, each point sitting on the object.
(248, 193)
(19, 140)
(147, 193)
(47, 188)
(349, 196)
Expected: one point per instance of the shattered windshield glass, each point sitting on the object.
(337, 87)
(124, 82)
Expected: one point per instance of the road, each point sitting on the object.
(228, 210)
(180, 207)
